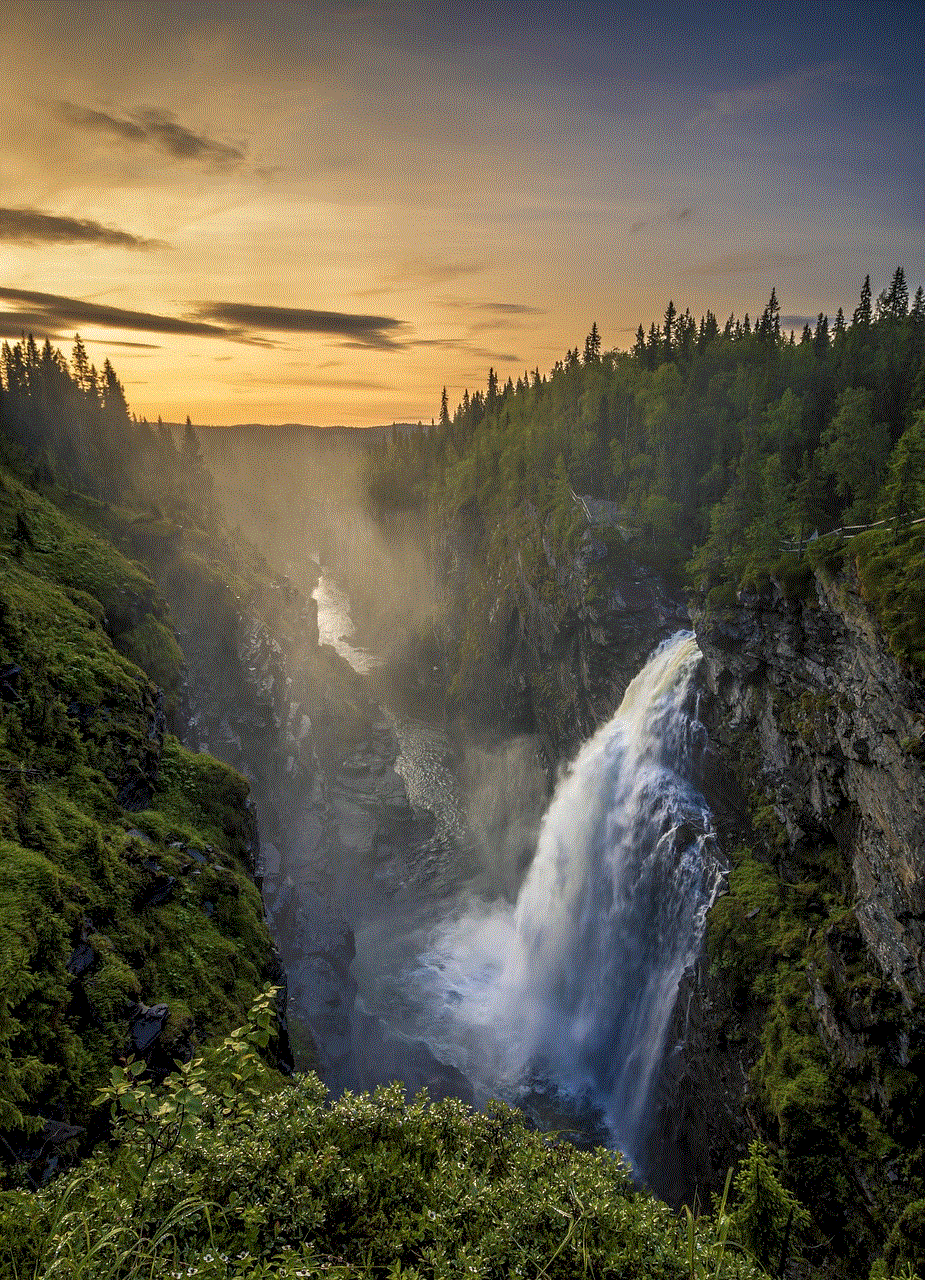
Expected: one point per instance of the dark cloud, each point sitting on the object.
(466, 348)
(14, 324)
(493, 308)
(151, 126)
(31, 226)
(673, 217)
(51, 310)
(111, 342)
(382, 333)
(747, 261)
(235, 321)
(797, 322)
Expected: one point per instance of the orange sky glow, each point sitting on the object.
(324, 213)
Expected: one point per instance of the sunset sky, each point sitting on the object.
(324, 212)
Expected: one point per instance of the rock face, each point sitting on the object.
(559, 646)
(804, 1023)
(299, 723)
(835, 730)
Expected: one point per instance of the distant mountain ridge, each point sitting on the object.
(290, 427)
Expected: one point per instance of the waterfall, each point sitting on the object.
(571, 989)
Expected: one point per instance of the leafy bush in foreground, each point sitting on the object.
(225, 1172)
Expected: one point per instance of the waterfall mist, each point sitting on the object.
(538, 957)
(570, 990)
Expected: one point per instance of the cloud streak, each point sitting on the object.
(380, 333)
(783, 92)
(15, 324)
(672, 217)
(493, 308)
(52, 310)
(233, 321)
(413, 273)
(747, 261)
(32, 226)
(152, 126)
(466, 348)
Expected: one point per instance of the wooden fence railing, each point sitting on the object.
(846, 531)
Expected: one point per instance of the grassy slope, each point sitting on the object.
(80, 727)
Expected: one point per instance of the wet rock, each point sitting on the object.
(9, 681)
(82, 960)
(559, 668)
(135, 794)
(57, 1132)
(146, 1025)
(157, 893)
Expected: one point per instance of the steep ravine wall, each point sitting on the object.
(333, 813)
(804, 1021)
(839, 729)
(554, 648)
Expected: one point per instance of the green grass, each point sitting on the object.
(78, 723)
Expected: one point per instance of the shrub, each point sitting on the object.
(228, 1172)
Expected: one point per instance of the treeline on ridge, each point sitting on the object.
(716, 443)
(73, 424)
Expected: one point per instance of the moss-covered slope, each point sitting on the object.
(129, 921)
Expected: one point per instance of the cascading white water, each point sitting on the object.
(573, 987)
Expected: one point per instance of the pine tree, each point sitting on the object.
(821, 336)
(893, 304)
(444, 411)
(862, 314)
(81, 366)
(668, 329)
(768, 327)
(592, 345)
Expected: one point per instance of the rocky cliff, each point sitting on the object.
(838, 729)
(333, 813)
(805, 1020)
(548, 646)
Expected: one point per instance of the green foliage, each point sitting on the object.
(891, 572)
(904, 1255)
(151, 645)
(783, 948)
(80, 728)
(766, 1218)
(855, 450)
(226, 1172)
(904, 493)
